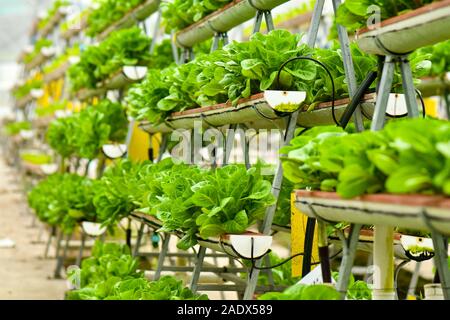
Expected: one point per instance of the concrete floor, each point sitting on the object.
(24, 274)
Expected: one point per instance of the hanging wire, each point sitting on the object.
(328, 73)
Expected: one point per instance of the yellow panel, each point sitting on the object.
(298, 228)
(139, 144)
(431, 107)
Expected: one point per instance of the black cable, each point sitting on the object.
(326, 70)
(422, 102)
(278, 264)
(263, 115)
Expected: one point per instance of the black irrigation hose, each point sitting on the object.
(326, 70)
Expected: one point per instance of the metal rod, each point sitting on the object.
(80, 253)
(162, 256)
(383, 94)
(349, 68)
(315, 23)
(197, 269)
(155, 31)
(269, 21)
(174, 49)
(441, 261)
(139, 239)
(258, 20)
(60, 260)
(349, 250)
(51, 235)
(408, 87)
(162, 147)
(414, 280)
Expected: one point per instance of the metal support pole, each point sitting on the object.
(440, 244)
(278, 179)
(197, 269)
(162, 256)
(414, 280)
(51, 235)
(80, 253)
(383, 94)
(139, 239)
(58, 243)
(215, 44)
(60, 260)
(163, 146)
(155, 31)
(315, 23)
(174, 49)
(129, 135)
(349, 249)
(349, 68)
(258, 20)
(383, 260)
(408, 87)
(269, 271)
(269, 21)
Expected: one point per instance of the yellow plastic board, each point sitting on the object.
(140, 143)
(298, 228)
(431, 107)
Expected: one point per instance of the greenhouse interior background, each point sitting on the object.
(224, 150)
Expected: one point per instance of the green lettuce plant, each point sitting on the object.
(63, 200)
(57, 4)
(83, 134)
(407, 156)
(128, 47)
(182, 13)
(108, 12)
(354, 14)
(111, 274)
(38, 46)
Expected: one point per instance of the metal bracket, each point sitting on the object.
(440, 244)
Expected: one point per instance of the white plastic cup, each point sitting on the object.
(433, 291)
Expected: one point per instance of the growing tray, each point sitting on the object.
(139, 13)
(223, 20)
(57, 73)
(122, 79)
(117, 81)
(33, 95)
(73, 31)
(255, 113)
(22, 102)
(85, 94)
(296, 22)
(434, 86)
(405, 211)
(54, 21)
(215, 243)
(43, 56)
(405, 33)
